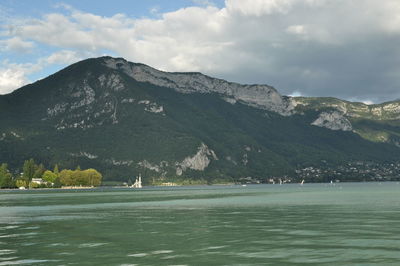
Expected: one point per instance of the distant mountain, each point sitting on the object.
(375, 122)
(124, 118)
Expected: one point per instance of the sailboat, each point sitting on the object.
(138, 182)
(302, 182)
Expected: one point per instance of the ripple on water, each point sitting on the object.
(66, 253)
(28, 244)
(212, 248)
(26, 261)
(217, 247)
(57, 245)
(271, 254)
(10, 235)
(234, 213)
(30, 228)
(161, 252)
(17, 235)
(91, 245)
(8, 227)
(174, 257)
(7, 251)
(138, 255)
(304, 233)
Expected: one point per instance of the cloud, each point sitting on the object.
(62, 57)
(313, 47)
(259, 7)
(16, 45)
(295, 94)
(12, 76)
(155, 10)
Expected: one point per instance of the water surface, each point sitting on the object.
(320, 224)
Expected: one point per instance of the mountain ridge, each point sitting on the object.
(128, 118)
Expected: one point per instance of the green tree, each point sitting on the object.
(33, 185)
(57, 182)
(29, 170)
(88, 177)
(66, 178)
(49, 176)
(39, 171)
(6, 180)
(56, 171)
(21, 183)
(92, 177)
(78, 178)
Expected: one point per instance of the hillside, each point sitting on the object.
(374, 122)
(125, 118)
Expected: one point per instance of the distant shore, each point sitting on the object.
(77, 187)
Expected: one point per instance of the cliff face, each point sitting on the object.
(260, 96)
(333, 120)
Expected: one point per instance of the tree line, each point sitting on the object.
(36, 175)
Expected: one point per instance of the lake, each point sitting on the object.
(290, 224)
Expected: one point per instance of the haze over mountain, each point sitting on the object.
(127, 118)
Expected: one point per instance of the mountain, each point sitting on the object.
(375, 122)
(126, 119)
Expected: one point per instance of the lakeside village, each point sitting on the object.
(37, 176)
(357, 171)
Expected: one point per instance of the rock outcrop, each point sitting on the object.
(198, 162)
(333, 120)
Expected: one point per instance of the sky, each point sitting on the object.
(348, 49)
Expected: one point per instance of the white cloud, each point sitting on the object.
(12, 76)
(259, 7)
(16, 45)
(295, 94)
(297, 29)
(155, 10)
(317, 47)
(63, 57)
(368, 102)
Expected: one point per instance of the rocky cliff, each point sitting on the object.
(260, 96)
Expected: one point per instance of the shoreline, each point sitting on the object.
(194, 185)
(76, 187)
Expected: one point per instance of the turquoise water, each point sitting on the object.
(320, 224)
